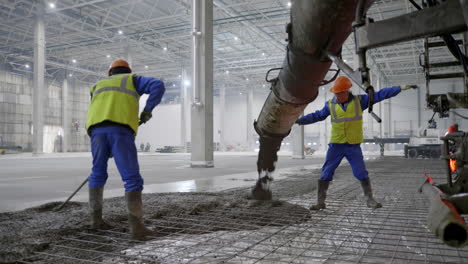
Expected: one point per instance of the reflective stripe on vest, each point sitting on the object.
(114, 99)
(357, 113)
(346, 124)
(122, 89)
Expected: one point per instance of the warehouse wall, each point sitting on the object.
(16, 96)
(15, 110)
(165, 128)
(78, 102)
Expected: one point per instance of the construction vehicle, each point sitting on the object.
(316, 35)
(426, 144)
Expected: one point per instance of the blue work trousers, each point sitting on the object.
(119, 141)
(352, 152)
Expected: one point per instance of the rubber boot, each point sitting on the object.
(371, 203)
(135, 216)
(95, 208)
(321, 195)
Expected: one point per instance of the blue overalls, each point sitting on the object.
(352, 152)
(120, 142)
(336, 152)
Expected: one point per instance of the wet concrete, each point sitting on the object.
(37, 229)
(346, 232)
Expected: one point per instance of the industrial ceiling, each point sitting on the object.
(83, 37)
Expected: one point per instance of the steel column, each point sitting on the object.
(222, 114)
(183, 111)
(38, 82)
(66, 121)
(419, 108)
(250, 131)
(297, 134)
(202, 72)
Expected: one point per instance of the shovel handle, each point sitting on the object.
(71, 196)
(376, 117)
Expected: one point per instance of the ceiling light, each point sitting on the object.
(146, 66)
(263, 53)
(246, 79)
(173, 85)
(74, 61)
(52, 5)
(107, 56)
(27, 66)
(186, 82)
(227, 72)
(289, 4)
(240, 93)
(263, 86)
(165, 48)
(180, 75)
(70, 75)
(120, 32)
(236, 38)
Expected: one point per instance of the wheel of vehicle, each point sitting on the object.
(425, 153)
(435, 154)
(412, 153)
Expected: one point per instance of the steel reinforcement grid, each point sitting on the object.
(346, 232)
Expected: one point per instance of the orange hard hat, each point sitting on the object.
(119, 63)
(453, 128)
(341, 84)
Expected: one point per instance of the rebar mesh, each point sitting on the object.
(346, 232)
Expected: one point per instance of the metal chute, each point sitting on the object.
(316, 26)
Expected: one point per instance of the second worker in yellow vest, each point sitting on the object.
(345, 110)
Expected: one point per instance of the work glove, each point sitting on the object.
(145, 117)
(407, 87)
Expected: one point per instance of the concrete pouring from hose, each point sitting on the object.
(316, 25)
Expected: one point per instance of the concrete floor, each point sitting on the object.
(27, 181)
(223, 227)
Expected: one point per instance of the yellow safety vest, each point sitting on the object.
(114, 99)
(346, 125)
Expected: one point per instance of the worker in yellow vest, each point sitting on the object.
(346, 135)
(112, 124)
